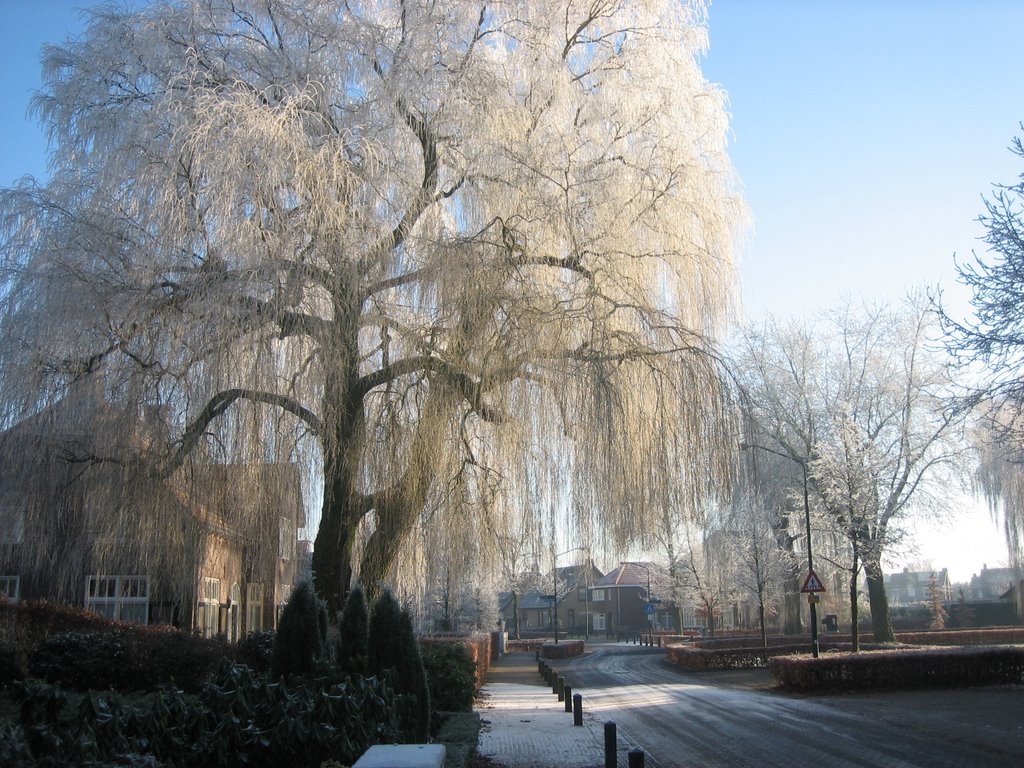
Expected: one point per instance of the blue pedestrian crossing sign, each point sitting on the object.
(649, 609)
(812, 583)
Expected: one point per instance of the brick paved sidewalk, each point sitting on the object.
(526, 726)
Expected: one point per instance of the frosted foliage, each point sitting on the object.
(446, 250)
(859, 397)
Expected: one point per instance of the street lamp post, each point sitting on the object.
(554, 580)
(802, 461)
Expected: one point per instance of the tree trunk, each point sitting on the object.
(760, 615)
(881, 621)
(854, 617)
(792, 620)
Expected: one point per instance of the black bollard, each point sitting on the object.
(611, 744)
(577, 709)
(561, 688)
(568, 698)
(636, 758)
(554, 681)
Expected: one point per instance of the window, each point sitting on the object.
(208, 611)
(253, 607)
(286, 541)
(599, 621)
(597, 596)
(10, 587)
(581, 595)
(124, 598)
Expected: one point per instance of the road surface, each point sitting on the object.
(688, 720)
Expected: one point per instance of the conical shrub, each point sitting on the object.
(394, 653)
(353, 632)
(301, 634)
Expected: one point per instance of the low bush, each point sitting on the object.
(255, 650)
(127, 658)
(904, 668)
(239, 718)
(563, 650)
(698, 659)
(82, 660)
(460, 734)
(451, 675)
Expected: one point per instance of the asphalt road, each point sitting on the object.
(688, 720)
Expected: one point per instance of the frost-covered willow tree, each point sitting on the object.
(430, 244)
(858, 400)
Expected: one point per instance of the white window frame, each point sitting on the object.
(208, 613)
(599, 622)
(122, 598)
(597, 596)
(253, 607)
(10, 588)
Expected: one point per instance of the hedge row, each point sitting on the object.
(563, 650)
(83, 650)
(987, 636)
(532, 645)
(905, 668)
(482, 647)
(698, 659)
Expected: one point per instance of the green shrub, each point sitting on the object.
(255, 650)
(905, 668)
(301, 634)
(161, 655)
(82, 660)
(239, 718)
(351, 653)
(451, 675)
(128, 658)
(394, 652)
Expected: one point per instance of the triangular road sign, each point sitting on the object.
(812, 583)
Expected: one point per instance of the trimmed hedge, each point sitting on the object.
(562, 650)
(905, 668)
(451, 675)
(237, 719)
(126, 658)
(155, 654)
(698, 659)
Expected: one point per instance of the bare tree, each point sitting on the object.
(404, 243)
(706, 570)
(761, 566)
(858, 398)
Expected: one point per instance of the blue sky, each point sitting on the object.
(865, 134)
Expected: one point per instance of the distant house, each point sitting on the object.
(534, 611)
(575, 585)
(910, 587)
(992, 583)
(620, 600)
(212, 548)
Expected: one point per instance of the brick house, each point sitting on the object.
(212, 548)
(620, 598)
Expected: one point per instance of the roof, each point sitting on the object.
(630, 574)
(916, 578)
